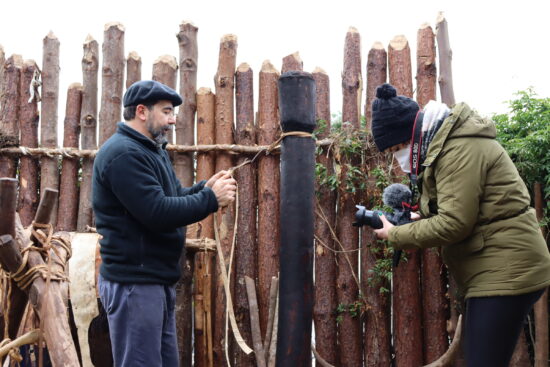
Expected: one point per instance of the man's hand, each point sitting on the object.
(217, 176)
(382, 233)
(225, 188)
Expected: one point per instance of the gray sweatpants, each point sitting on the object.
(142, 323)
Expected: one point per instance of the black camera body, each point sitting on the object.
(396, 196)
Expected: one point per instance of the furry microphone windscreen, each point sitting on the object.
(395, 194)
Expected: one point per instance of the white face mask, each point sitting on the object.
(403, 156)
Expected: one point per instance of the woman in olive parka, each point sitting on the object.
(475, 206)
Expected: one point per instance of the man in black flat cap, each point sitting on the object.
(141, 210)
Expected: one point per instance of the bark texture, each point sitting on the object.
(245, 251)
(9, 113)
(325, 259)
(68, 191)
(377, 70)
(292, 62)
(88, 125)
(407, 301)
(445, 61)
(112, 80)
(165, 71)
(133, 69)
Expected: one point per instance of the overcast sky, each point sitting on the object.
(498, 47)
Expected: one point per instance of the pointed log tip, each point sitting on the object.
(134, 56)
(295, 56)
(17, 60)
(76, 86)
(319, 70)
(440, 17)
(377, 46)
(399, 42)
(28, 63)
(114, 24)
(187, 23)
(267, 67)
(352, 30)
(425, 25)
(243, 67)
(229, 38)
(51, 36)
(89, 39)
(2, 49)
(167, 59)
(204, 91)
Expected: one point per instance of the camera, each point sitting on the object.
(396, 196)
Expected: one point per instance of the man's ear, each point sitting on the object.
(142, 112)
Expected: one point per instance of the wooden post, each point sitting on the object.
(88, 124)
(49, 166)
(435, 304)
(347, 281)
(2, 63)
(28, 121)
(133, 69)
(68, 194)
(325, 218)
(9, 113)
(541, 307)
(225, 83)
(292, 62)
(18, 299)
(445, 61)
(204, 265)
(47, 299)
(112, 79)
(297, 95)
(245, 251)
(185, 122)
(165, 70)
(183, 166)
(407, 300)
(377, 66)
(268, 188)
(376, 289)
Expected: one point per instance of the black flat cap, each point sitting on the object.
(150, 91)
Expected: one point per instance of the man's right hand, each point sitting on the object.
(225, 189)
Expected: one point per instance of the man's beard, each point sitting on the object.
(158, 133)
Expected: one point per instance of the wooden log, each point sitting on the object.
(183, 166)
(28, 338)
(445, 61)
(165, 70)
(185, 121)
(2, 63)
(297, 101)
(426, 70)
(347, 282)
(68, 191)
(133, 69)
(259, 351)
(9, 113)
(28, 121)
(112, 80)
(435, 307)
(541, 307)
(49, 166)
(292, 62)
(268, 188)
(18, 298)
(47, 299)
(88, 125)
(325, 220)
(520, 358)
(225, 84)
(377, 66)
(407, 300)
(204, 264)
(245, 250)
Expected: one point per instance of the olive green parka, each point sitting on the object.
(477, 208)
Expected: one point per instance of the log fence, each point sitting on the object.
(354, 300)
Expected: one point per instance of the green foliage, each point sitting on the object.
(354, 309)
(525, 133)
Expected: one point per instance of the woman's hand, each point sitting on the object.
(382, 233)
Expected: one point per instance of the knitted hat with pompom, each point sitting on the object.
(392, 117)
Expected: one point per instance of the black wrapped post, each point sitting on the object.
(297, 94)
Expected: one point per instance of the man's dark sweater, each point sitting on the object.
(140, 208)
